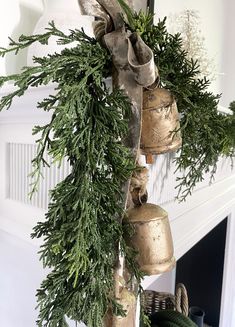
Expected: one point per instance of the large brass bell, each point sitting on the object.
(152, 238)
(160, 122)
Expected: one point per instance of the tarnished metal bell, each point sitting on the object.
(160, 120)
(152, 238)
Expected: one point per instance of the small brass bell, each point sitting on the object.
(160, 121)
(151, 239)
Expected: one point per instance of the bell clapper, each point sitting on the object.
(149, 159)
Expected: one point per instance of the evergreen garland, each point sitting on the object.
(82, 230)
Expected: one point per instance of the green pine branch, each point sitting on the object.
(25, 41)
(82, 229)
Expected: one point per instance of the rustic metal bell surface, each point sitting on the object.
(152, 238)
(160, 119)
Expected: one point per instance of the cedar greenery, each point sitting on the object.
(82, 229)
(206, 133)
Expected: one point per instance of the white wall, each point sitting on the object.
(212, 26)
(16, 17)
(218, 25)
(228, 50)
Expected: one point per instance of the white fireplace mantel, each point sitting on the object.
(190, 220)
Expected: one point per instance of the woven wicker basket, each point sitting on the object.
(154, 301)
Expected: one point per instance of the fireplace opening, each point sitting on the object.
(201, 271)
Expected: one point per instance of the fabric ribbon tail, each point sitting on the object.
(141, 60)
(103, 22)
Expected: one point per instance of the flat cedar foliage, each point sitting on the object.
(82, 228)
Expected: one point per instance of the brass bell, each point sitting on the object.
(160, 122)
(152, 238)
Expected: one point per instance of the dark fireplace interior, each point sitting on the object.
(201, 271)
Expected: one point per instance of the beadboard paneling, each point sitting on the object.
(19, 157)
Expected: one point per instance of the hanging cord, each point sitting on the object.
(138, 185)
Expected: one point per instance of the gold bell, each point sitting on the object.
(152, 238)
(160, 121)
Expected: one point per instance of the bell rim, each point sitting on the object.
(160, 150)
(159, 268)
